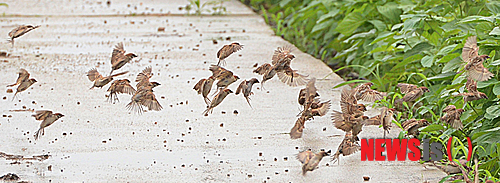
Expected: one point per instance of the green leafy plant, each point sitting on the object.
(418, 42)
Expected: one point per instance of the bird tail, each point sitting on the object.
(12, 85)
(14, 95)
(209, 110)
(248, 101)
(207, 100)
(135, 107)
(304, 170)
(112, 97)
(37, 133)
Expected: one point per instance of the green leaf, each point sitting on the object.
(350, 23)
(496, 62)
(476, 19)
(496, 89)
(283, 3)
(446, 49)
(432, 128)
(449, 57)
(451, 65)
(330, 14)
(484, 84)
(349, 82)
(442, 76)
(391, 11)
(321, 26)
(427, 61)
(492, 112)
(411, 24)
(379, 25)
(494, 7)
(419, 48)
(495, 32)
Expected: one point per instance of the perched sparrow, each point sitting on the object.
(99, 80)
(144, 97)
(298, 128)
(474, 62)
(203, 87)
(412, 92)
(23, 75)
(24, 86)
(217, 100)
(473, 94)
(119, 58)
(386, 116)
(19, 31)
(412, 126)
(347, 147)
(119, 87)
(227, 50)
(224, 76)
(310, 160)
(365, 93)
(47, 118)
(452, 116)
(246, 88)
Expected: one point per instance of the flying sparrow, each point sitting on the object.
(24, 86)
(412, 126)
(119, 87)
(23, 75)
(282, 55)
(119, 58)
(267, 71)
(474, 62)
(144, 97)
(217, 100)
(47, 118)
(412, 92)
(365, 93)
(143, 77)
(99, 80)
(224, 76)
(246, 88)
(318, 109)
(472, 94)
(452, 116)
(310, 160)
(203, 87)
(347, 147)
(19, 31)
(227, 50)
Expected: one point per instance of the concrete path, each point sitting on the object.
(101, 142)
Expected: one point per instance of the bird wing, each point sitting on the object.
(305, 156)
(150, 102)
(93, 74)
(323, 108)
(242, 87)
(405, 88)
(471, 85)
(125, 87)
(42, 114)
(262, 69)
(298, 128)
(292, 78)
(409, 123)
(118, 53)
(371, 95)
(236, 47)
(144, 75)
(470, 49)
(219, 72)
(449, 108)
(479, 72)
(281, 53)
(199, 86)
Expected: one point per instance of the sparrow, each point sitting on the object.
(23, 75)
(119, 87)
(119, 58)
(224, 76)
(47, 118)
(386, 116)
(412, 92)
(144, 97)
(452, 167)
(412, 126)
(349, 123)
(347, 147)
(246, 88)
(318, 109)
(472, 94)
(310, 93)
(298, 128)
(452, 116)
(365, 93)
(375, 120)
(203, 87)
(281, 61)
(19, 31)
(227, 50)
(310, 160)
(99, 80)
(302, 96)
(474, 62)
(24, 86)
(217, 100)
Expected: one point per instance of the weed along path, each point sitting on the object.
(98, 141)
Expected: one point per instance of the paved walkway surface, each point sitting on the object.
(101, 142)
